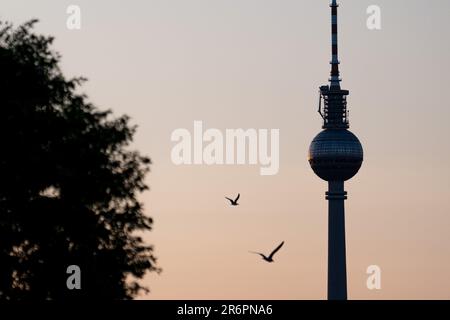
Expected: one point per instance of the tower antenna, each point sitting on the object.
(334, 80)
(334, 109)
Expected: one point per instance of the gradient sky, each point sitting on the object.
(258, 64)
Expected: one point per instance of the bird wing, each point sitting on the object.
(276, 249)
(262, 255)
(229, 199)
(237, 198)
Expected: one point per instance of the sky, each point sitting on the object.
(258, 64)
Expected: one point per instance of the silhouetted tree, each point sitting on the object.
(68, 183)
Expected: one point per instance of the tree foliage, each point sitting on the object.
(68, 183)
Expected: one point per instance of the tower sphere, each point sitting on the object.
(335, 155)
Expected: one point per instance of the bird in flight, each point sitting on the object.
(235, 201)
(270, 257)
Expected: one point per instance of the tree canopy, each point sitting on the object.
(69, 182)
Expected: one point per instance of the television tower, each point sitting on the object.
(335, 155)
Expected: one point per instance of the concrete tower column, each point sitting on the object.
(337, 269)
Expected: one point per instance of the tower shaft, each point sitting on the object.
(337, 268)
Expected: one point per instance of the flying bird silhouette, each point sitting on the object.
(270, 257)
(235, 201)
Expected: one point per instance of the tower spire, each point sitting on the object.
(334, 80)
(334, 110)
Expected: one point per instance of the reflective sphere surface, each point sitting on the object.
(335, 155)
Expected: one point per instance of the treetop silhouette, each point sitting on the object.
(68, 182)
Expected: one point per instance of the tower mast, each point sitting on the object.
(335, 155)
(334, 112)
(334, 80)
